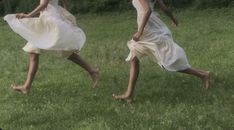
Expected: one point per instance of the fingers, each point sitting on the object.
(17, 15)
(20, 15)
(174, 24)
(135, 39)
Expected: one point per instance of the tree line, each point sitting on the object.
(95, 6)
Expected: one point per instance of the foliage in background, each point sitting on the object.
(81, 6)
(86, 6)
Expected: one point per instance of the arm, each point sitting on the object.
(65, 4)
(147, 13)
(36, 11)
(167, 11)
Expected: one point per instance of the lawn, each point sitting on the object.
(62, 97)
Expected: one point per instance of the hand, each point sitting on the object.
(136, 36)
(174, 23)
(21, 15)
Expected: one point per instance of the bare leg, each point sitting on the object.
(32, 69)
(81, 62)
(203, 75)
(134, 72)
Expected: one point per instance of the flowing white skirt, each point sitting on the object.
(157, 43)
(55, 31)
(167, 54)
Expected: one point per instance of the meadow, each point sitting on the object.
(62, 97)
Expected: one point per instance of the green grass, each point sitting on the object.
(62, 97)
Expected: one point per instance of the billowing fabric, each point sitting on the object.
(157, 43)
(55, 30)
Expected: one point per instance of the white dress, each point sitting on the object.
(55, 31)
(157, 43)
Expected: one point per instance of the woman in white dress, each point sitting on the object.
(154, 40)
(54, 31)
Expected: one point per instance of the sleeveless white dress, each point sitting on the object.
(157, 43)
(54, 31)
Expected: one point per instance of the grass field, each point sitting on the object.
(62, 97)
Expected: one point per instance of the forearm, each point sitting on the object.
(147, 13)
(169, 14)
(38, 9)
(35, 11)
(165, 9)
(145, 20)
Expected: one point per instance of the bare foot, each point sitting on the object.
(95, 75)
(21, 89)
(128, 99)
(206, 80)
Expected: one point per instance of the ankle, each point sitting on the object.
(127, 95)
(27, 86)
